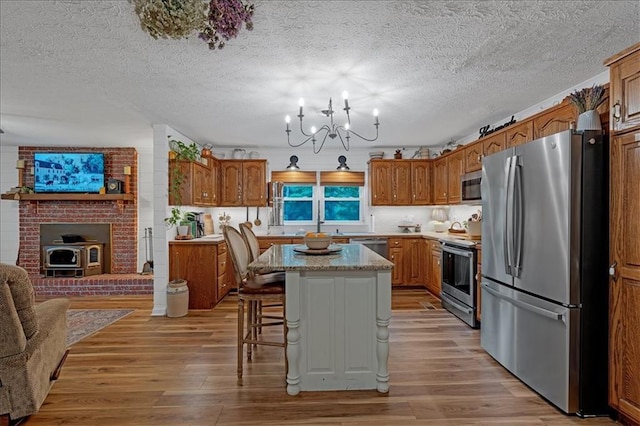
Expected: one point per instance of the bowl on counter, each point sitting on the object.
(317, 240)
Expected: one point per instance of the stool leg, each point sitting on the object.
(240, 335)
(250, 328)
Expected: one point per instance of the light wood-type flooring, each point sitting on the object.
(146, 370)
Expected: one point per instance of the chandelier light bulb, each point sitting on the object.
(345, 95)
(287, 119)
(313, 129)
(301, 102)
(346, 126)
(375, 112)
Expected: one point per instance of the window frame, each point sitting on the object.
(318, 202)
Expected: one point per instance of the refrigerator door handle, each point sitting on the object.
(531, 308)
(518, 213)
(507, 217)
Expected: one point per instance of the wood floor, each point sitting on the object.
(146, 370)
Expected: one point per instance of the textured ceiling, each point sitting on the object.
(84, 73)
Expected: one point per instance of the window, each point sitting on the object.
(298, 202)
(342, 203)
(337, 203)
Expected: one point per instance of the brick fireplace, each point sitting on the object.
(121, 216)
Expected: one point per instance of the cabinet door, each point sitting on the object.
(395, 256)
(180, 183)
(557, 120)
(402, 188)
(493, 144)
(473, 157)
(254, 183)
(624, 299)
(230, 183)
(421, 181)
(625, 91)
(196, 263)
(455, 164)
(198, 184)
(435, 286)
(519, 134)
(426, 262)
(380, 182)
(412, 259)
(440, 182)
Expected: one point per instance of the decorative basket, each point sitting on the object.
(454, 230)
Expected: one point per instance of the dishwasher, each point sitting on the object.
(379, 245)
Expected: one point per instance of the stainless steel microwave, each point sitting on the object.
(470, 187)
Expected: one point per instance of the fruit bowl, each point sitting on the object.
(317, 240)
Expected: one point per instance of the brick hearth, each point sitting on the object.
(123, 217)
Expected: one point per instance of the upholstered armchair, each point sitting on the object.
(32, 344)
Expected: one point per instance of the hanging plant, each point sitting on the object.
(171, 18)
(216, 21)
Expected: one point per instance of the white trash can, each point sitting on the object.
(177, 298)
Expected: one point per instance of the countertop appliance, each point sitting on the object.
(459, 267)
(544, 267)
(470, 187)
(379, 245)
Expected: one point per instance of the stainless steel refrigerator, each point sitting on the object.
(544, 267)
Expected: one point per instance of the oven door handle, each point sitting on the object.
(456, 305)
(449, 249)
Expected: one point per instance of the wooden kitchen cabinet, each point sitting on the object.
(225, 273)
(624, 89)
(455, 165)
(412, 258)
(519, 133)
(440, 181)
(399, 182)
(624, 293)
(473, 154)
(558, 119)
(494, 143)
(421, 182)
(434, 283)
(394, 248)
(243, 182)
(447, 172)
(198, 264)
(198, 186)
(624, 235)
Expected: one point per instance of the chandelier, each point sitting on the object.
(331, 130)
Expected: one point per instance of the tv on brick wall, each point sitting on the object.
(68, 172)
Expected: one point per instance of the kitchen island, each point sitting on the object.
(338, 308)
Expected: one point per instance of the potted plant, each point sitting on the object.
(585, 102)
(176, 219)
(181, 151)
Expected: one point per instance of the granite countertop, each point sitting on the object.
(352, 257)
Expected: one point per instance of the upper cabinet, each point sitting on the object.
(243, 182)
(446, 177)
(473, 157)
(556, 120)
(399, 182)
(196, 185)
(493, 144)
(519, 134)
(624, 89)
(440, 181)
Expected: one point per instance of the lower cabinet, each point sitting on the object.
(206, 268)
(434, 283)
(395, 250)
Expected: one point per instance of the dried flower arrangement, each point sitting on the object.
(215, 21)
(587, 99)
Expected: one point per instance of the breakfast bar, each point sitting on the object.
(338, 308)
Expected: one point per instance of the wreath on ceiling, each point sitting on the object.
(215, 21)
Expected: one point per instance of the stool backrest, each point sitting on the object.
(240, 256)
(252, 241)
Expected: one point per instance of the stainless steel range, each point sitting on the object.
(459, 268)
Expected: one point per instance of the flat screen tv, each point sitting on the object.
(68, 172)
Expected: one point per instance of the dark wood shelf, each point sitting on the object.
(67, 197)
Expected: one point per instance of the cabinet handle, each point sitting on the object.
(616, 111)
(612, 270)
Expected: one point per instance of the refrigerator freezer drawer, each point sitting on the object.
(535, 340)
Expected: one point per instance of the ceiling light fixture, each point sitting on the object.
(331, 130)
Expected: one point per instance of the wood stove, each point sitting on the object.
(78, 259)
